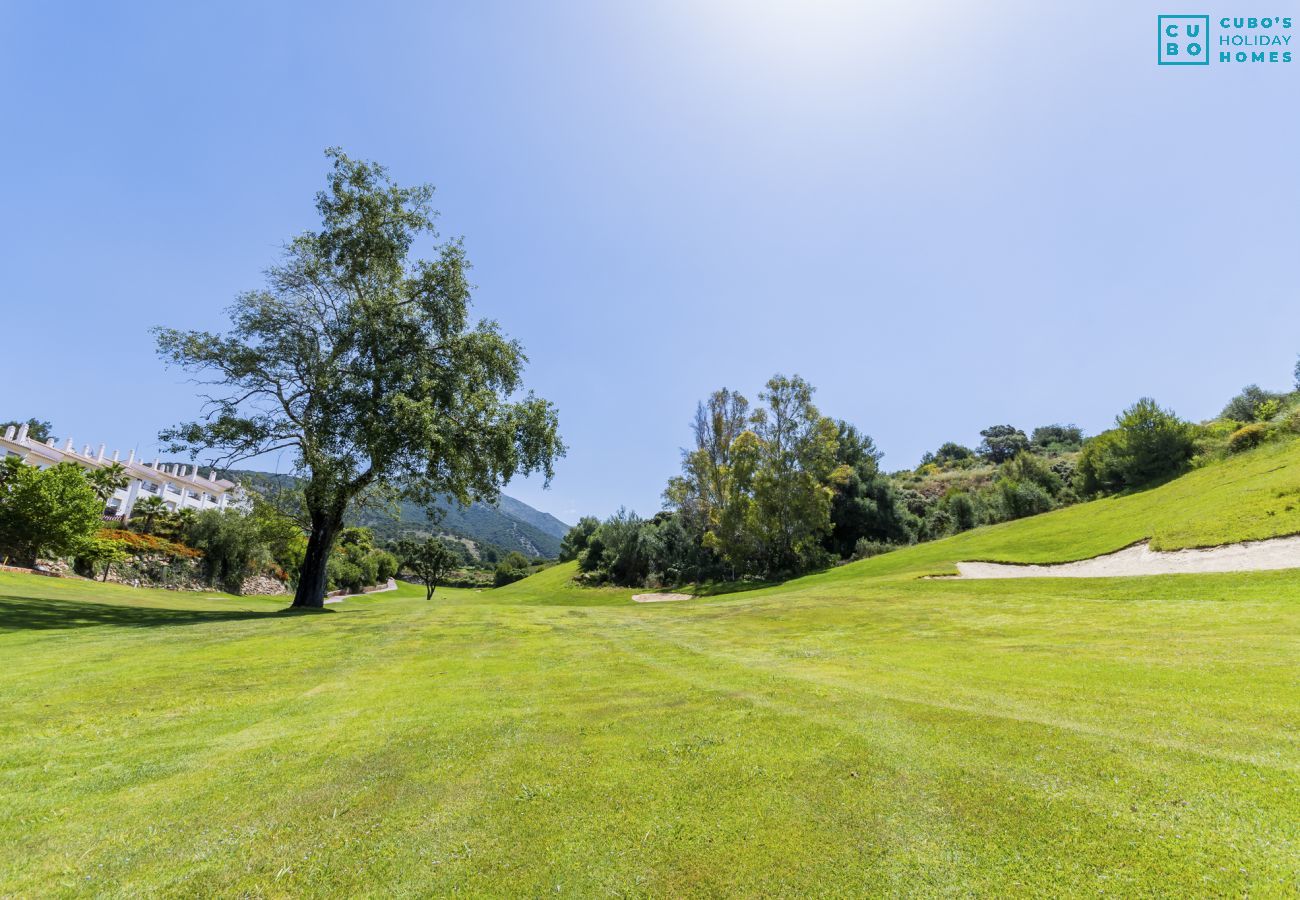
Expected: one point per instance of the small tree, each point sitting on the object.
(1002, 442)
(363, 363)
(429, 560)
(100, 550)
(46, 512)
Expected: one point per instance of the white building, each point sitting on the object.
(178, 486)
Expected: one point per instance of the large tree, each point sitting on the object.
(792, 484)
(362, 361)
(45, 512)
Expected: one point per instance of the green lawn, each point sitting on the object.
(857, 732)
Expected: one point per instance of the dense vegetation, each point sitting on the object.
(774, 491)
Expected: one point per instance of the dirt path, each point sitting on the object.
(1252, 556)
(391, 586)
(660, 598)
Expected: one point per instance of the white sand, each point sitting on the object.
(1252, 556)
(659, 598)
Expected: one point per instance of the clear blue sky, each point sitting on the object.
(944, 215)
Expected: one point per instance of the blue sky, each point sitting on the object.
(944, 215)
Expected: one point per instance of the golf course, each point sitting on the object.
(862, 730)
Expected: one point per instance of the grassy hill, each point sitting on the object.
(509, 525)
(861, 731)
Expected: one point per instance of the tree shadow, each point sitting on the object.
(41, 613)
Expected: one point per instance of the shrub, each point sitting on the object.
(1148, 443)
(385, 565)
(865, 549)
(344, 574)
(504, 575)
(1252, 404)
(231, 545)
(1247, 436)
(1024, 498)
(1056, 438)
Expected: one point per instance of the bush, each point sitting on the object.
(1024, 498)
(1149, 443)
(1252, 404)
(231, 545)
(386, 565)
(865, 549)
(1056, 438)
(344, 574)
(1247, 436)
(505, 574)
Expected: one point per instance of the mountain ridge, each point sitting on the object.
(509, 525)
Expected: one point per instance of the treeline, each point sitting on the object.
(776, 489)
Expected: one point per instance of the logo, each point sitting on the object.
(1183, 40)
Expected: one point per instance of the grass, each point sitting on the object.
(856, 732)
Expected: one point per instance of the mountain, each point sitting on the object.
(509, 525)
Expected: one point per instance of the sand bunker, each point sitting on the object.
(659, 598)
(1252, 556)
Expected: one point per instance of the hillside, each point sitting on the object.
(1251, 496)
(510, 525)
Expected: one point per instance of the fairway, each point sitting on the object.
(856, 732)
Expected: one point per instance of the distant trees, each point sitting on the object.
(1253, 404)
(45, 512)
(949, 452)
(1002, 442)
(37, 430)
(362, 361)
(512, 568)
(1148, 443)
(1056, 438)
(575, 539)
(865, 505)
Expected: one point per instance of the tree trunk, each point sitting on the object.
(312, 580)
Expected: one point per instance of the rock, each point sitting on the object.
(262, 585)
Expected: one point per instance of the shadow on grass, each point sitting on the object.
(40, 613)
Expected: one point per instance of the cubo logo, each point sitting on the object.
(1183, 40)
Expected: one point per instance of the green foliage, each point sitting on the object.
(49, 512)
(104, 549)
(1252, 404)
(1002, 442)
(1058, 438)
(865, 505)
(947, 453)
(104, 480)
(512, 568)
(429, 560)
(147, 512)
(363, 362)
(1149, 443)
(37, 430)
(232, 547)
(575, 541)
(1247, 437)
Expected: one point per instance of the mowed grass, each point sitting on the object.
(858, 732)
